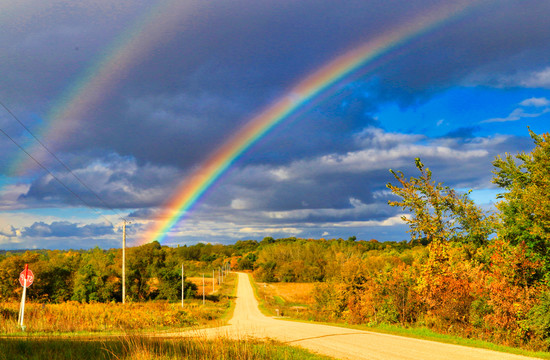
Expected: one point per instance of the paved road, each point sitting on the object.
(338, 342)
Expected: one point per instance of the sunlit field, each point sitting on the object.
(290, 299)
(74, 317)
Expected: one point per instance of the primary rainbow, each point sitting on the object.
(200, 180)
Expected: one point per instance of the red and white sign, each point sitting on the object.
(28, 274)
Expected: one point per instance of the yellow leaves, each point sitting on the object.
(438, 212)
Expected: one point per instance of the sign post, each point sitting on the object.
(26, 278)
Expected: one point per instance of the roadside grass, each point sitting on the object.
(228, 289)
(299, 309)
(268, 310)
(427, 334)
(140, 347)
(74, 318)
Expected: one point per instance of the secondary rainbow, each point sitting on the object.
(101, 78)
(190, 191)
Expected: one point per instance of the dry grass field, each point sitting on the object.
(75, 317)
(209, 288)
(291, 293)
(287, 299)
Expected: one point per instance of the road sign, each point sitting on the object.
(30, 277)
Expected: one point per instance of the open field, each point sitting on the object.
(291, 299)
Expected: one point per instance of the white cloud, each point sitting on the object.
(537, 102)
(525, 79)
(357, 208)
(538, 79)
(391, 221)
(269, 230)
(376, 159)
(240, 204)
(516, 115)
(280, 174)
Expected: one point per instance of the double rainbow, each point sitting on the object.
(191, 190)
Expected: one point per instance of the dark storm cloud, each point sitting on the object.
(66, 229)
(118, 183)
(47, 44)
(227, 60)
(254, 55)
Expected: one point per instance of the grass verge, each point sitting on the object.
(229, 289)
(267, 311)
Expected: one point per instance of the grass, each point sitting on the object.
(264, 309)
(229, 287)
(298, 303)
(291, 299)
(139, 347)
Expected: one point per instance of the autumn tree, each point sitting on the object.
(437, 211)
(10, 268)
(525, 205)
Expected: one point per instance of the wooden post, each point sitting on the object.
(203, 288)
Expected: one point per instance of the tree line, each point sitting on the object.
(153, 272)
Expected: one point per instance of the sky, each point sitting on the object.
(109, 108)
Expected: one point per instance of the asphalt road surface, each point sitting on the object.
(337, 342)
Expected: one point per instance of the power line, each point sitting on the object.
(56, 158)
(55, 177)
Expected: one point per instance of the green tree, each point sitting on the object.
(438, 212)
(143, 264)
(96, 278)
(54, 276)
(525, 205)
